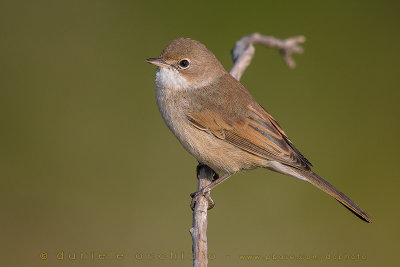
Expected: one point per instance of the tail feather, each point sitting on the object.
(317, 181)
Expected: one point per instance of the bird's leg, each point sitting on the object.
(206, 190)
(206, 174)
(216, 176)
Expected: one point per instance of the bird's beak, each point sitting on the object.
(158, 62)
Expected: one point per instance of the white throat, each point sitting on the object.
(171, 79)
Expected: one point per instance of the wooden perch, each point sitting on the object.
(199, 230)
(242, 54)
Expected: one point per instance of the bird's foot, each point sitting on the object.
(202, 193)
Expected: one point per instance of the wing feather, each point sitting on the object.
(244, 123)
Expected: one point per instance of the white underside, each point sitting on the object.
(203, 146)
(279, 167)
(170, 78)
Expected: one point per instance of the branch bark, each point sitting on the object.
(242, 54)
(199, 230)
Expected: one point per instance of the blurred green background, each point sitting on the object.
(88, 166)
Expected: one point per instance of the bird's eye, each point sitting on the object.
(184, 63)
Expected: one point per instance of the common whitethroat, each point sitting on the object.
(217, 120)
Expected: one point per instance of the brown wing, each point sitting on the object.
(246, 125)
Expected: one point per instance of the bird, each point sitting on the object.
(218, 121)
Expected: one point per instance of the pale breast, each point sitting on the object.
(221, 156)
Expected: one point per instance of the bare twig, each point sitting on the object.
(199, 230)
(242, 54)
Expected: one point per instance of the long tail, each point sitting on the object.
(317, 181)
